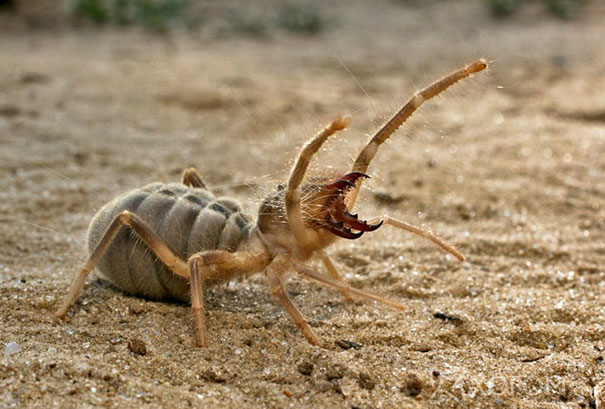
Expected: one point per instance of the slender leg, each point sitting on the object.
(369, 151)
(152, 240)
(217, 265)
(421, 232)
(226, 265)
(334, 274)
(192, 178)
(295, 220)
(197, 303)
(274, 272)
(344, 287)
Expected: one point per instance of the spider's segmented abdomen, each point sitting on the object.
(188, 220)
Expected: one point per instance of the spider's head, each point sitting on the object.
(323, 208)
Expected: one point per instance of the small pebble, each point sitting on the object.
(599, 395)
(210, 375)
(366, 381)
(388, 197)
(336, 371)
(11, 348)
(337, 388)
(324, 386)
(446, 317)
(412, 385)
(137, 346)
(344, 344)
(305, 368)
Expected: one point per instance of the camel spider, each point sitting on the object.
(201, 240)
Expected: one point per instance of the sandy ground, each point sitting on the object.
(509, 166)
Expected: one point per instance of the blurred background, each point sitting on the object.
(101, 96)
(256, 18)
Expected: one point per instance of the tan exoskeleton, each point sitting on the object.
(201, 240)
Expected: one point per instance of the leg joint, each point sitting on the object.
(125, 216)
(417, 100)
(276, 290)
(195, 260)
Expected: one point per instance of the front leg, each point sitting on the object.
(217, 265)
(198, 272)
(274, 273)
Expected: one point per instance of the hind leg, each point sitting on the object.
(192, 178)
(172, 261)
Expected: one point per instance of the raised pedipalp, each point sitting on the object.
(369, 151)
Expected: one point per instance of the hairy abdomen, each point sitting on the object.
(188, 220)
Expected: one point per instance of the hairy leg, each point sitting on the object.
(192, 178)
(293, 210)
(217, 265)
(421, 232)
(369, 151)
(334, 274)
(197, 303)
(344, 287)
(274, 273)
(153, 241)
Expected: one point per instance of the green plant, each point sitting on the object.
(300, 18)
(123, 12)
(94, 10)
(503, 8)
(158, 14)
(560, 8)
(249, 25)
(565, 8)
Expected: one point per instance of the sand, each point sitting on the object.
(508, 166)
